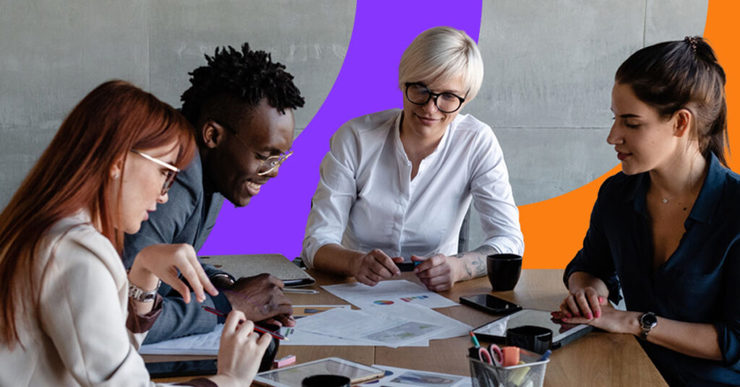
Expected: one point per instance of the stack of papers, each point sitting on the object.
(390, 326)
(389, 293)
(393, 314)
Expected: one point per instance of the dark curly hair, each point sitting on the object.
(247, 77)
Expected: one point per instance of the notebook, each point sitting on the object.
(250, 265)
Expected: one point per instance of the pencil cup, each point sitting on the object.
(504, 270)
(529, 373)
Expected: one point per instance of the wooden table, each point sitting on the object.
(598, 359)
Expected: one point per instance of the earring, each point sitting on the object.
(115, 176)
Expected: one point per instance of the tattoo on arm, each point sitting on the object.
(475, 261)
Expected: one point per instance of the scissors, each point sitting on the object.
(492, 355)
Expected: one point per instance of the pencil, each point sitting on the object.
(256, 328)
(300, 291)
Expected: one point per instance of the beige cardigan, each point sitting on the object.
(79, 337)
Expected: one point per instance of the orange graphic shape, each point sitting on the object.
(554, 229)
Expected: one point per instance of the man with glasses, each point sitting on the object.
(241, 107)
(396, 184)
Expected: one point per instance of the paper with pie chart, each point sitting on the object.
(388, 293)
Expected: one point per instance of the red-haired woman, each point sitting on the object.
(70, 314)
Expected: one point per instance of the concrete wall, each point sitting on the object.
(549, 67)
(54, 52)
(547, 90)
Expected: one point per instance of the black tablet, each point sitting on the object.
(562, 333)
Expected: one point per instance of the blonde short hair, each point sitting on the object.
(442, 53)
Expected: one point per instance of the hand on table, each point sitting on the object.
(163, 261)
(610, 320)
(261, 298)
(438, 272)
(583, 302)
(376, 266)
(240, 352)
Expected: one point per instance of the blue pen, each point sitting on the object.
(545, 355)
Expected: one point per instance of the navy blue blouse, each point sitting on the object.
(699, 283)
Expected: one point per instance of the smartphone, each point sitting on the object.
(407, 266)
(490, 304)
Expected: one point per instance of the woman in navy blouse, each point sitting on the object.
(666, 230)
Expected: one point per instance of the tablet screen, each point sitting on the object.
(540, 318)
(292, 376)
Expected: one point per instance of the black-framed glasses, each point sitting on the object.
(419, 94)
(268, 164)
(171, 174)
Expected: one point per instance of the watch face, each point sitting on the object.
(648, 320)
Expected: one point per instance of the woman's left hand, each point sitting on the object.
(438, 272)
(611, 320)
(163, 261)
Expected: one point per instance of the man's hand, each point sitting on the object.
(260, 298)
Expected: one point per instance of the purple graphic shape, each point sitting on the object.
(275, 220)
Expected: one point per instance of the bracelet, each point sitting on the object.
(138, 294)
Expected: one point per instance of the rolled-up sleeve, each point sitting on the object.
(493, 197)
(595, 257)
(335, 194)
(728, 328)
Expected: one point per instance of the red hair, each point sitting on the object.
(72, 174)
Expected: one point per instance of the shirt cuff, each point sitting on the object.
(143, 323)
(222, 304)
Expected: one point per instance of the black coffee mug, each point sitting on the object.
(504, 270)
(326, 381)
(530, 337)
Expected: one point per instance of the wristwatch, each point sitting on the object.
(138, 294)
(227, 279)
(648, 321)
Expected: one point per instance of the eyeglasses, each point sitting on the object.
(419, 94)
(268, 164)
(172, 171)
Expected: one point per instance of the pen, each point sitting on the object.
(256, 328)
(474, 340)
(300, 291)
(545, 355)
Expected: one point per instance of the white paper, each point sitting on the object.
(413, 312)
(364, 327)
(296, 336)
(387, 293)
(203, 344)
(403, 377)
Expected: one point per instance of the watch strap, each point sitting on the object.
(138, 294)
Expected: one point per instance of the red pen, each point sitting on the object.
(256, 328)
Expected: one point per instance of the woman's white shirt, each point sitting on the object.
(366, 199)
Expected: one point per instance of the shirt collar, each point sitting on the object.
(442, 142)
(706, 202)
(711, 192)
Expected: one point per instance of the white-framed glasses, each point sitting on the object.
(268, 164)
(172, 170)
